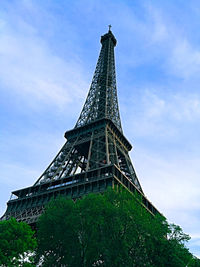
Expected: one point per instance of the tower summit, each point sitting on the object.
(102, 100)
(95, 155)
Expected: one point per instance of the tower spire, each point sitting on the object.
(102, 99)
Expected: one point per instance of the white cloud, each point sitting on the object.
(160, 37)
(176, 106)
(153, 105)
(166, 115)
(29, 67)
(172, 185)
(159, 32)
(172, 182)
(181, 57)
(185, 59)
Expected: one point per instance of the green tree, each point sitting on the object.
(17, 242)
(58, 234)
(110, 229)
(194, 262)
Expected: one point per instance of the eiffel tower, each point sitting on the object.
(95, 155)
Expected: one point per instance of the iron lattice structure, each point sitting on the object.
(95, 154)
(102, 99)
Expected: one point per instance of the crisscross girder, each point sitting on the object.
(102, 99)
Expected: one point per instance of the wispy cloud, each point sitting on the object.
(174, 177)
(29, 67)
(172, 184)
(159, 37)
(181, 57)
(164, 115)
(185, 59)
(175, 106)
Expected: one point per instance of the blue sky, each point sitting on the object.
(48, 52)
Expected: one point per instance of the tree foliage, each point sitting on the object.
(16, 243)
(194, 262)
(110, 229)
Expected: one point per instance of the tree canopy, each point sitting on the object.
(110, 229)
(16, 243)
